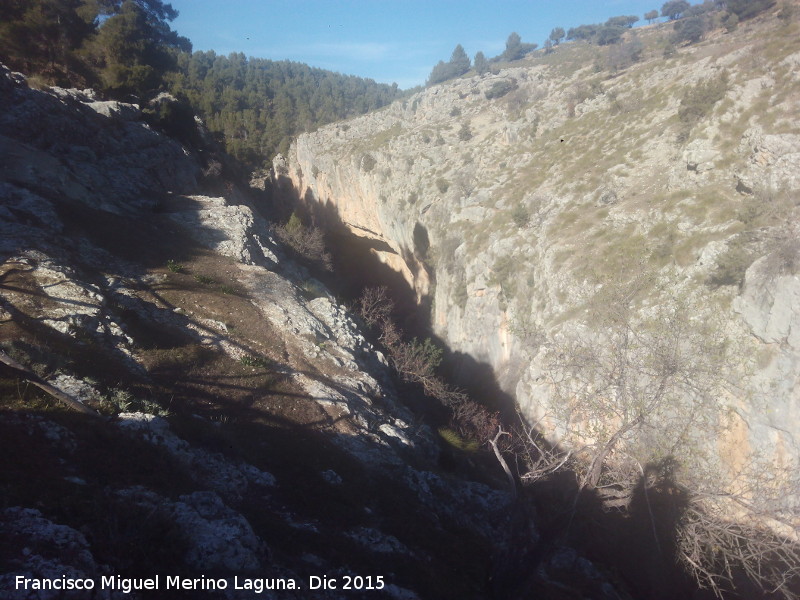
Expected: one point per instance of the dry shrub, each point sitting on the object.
(416, 362)
(307, 242)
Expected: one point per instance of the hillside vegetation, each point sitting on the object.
(123, 48)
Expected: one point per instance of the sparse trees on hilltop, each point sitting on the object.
(481, 64)
(515, 48)
(674, 9)
(582, 32)
(603, 34)
(622, 21)
(651, 16)
(701, 9)
(458, 64)
(460, 60)
(744, 9)
(557, 35)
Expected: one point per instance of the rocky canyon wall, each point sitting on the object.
(534, 194)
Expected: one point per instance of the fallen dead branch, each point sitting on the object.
(46, 387)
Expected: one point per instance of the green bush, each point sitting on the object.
(120, 401)
(731, 22)
(253, 361)
(745, 9)
(504, 275)
(520, 215)
(500, 89)
(786, 12)
(609, 34)
(442, 185)
(428, 351)
(460, 293)
(732, 264)
(699, 100)
(784, 259)
(175, 267)
(690, 30)
(175, 118)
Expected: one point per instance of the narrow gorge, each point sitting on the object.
(530, 332)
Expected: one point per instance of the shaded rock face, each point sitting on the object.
(575, 180)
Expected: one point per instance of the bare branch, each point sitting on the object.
(493, 443)
(46, 387)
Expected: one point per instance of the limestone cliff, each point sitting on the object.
(529, 193)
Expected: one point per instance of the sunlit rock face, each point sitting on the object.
(529, 193)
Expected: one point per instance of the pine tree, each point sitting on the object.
(460, 61)
(42, 36)
(134, 45)
(481, 64)
(515, 49)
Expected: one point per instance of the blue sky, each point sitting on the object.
(386, 40)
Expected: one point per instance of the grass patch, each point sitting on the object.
(257, 362)
(119, 401)
(456, 441)
(175, 267)
(180, 358)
